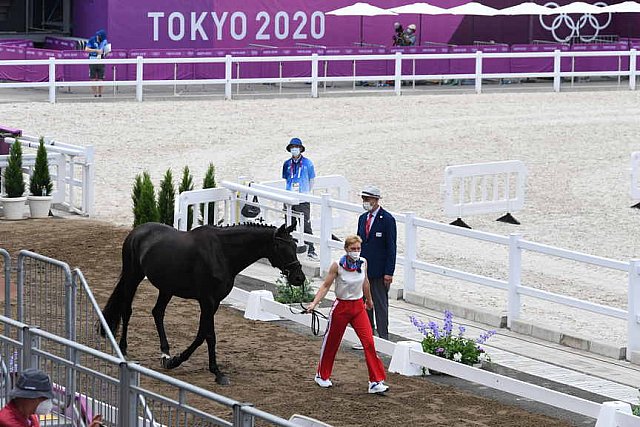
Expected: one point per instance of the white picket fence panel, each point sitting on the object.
(315, 78)
(74, 175)
(635, 175)
(482, 188)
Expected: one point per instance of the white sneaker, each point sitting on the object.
(378, 387)
(313, 256)
(357, 346)
(323, 383)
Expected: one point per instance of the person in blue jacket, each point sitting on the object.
(299, 173)
(377, 229)
(97, 48)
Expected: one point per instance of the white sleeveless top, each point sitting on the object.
(349, 283)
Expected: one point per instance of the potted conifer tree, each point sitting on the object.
(40, 186)
(13, 203)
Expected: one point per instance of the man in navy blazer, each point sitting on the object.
(377, 229)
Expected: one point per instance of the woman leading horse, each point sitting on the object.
(200, 264)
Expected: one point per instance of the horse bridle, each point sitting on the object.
(285, 267)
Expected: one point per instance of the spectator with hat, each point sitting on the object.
(410, 35)
(377, 229)
(31, 396)
(98, 48)
(299, 173)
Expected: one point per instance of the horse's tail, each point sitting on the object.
(125, 289)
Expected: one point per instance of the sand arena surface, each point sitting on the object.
(576, 147)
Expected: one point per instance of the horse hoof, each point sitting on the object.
(170, 362)
(222, 380)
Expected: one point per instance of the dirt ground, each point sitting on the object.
(269, 365)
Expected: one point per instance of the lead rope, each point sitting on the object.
(315, 316)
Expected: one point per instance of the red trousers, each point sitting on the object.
(343, 313)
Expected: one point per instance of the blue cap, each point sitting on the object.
(295, 142)
(102, 34)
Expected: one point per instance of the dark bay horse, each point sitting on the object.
(200, 264)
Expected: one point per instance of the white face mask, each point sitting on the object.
(295, 152)
(45, 407)
(367, 206)
(355, 255)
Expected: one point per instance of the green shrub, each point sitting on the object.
(187, 185)
(166, 199)
(287, 294)
(13, 178)
(135, 197)
(147, 207)
(41, 184)
(209, 182)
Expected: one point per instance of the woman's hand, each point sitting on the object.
(368, 304)
(311, 307)
(96, 421)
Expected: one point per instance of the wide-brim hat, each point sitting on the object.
(371, 191)
(32, 384)
(295, 142)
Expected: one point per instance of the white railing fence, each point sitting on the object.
(404, 361)
(73, 171)
(514, 288)
(315, 78)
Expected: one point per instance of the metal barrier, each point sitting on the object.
(84, 388)
(75, 172)
(484, 188)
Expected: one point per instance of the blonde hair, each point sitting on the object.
(351, 239)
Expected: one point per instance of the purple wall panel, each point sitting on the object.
(12, 72)
(209, 71)
(532, 65)
(462, 66)
(17, 42)
(58, 43)
(495, 65)
(40, 73)
(247, 70)
(73, 73)
(603, 63)
(162, 71)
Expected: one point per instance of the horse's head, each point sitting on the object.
(283, 256)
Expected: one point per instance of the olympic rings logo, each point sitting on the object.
(576, 26)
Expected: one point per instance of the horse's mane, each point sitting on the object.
(244, 224)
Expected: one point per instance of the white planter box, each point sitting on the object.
(13, 207)
(39, 206)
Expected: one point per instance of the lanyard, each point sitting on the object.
(292, 168)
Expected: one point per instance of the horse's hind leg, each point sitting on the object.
(133, 282)
(158, 316)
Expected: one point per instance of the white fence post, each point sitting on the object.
(410, 242)
(515, 271)
(89, 172)
(326, 223)
(139, 78)
(314, 75)
(478, 71)
(557, 68)
(398, 74)
(228, 75)
(633, 306)
(52, 80)
(633, 56)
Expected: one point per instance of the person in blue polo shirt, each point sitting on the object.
(299, 173)
(97, 46)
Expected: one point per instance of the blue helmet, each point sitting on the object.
(295, 142)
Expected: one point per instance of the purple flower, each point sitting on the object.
(420, 325)
(434, 330)
(448, 323)
(439, 350)
(461, 330)
(484, 337)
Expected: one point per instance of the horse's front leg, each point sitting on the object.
(158, 316)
